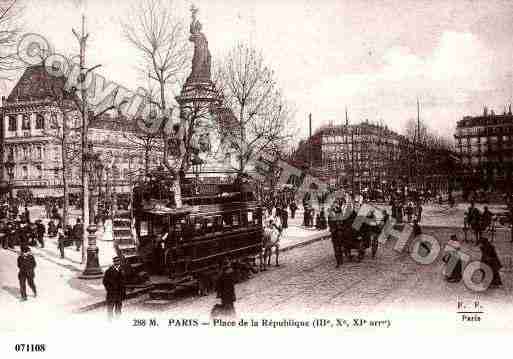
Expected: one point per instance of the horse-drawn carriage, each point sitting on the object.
(350, 237)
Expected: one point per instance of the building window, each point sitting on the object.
(25, 125)
(39, 152)
(24, 172)
(13, 123)
(39, 171)
(40, 121)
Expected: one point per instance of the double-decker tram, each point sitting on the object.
(217, 222)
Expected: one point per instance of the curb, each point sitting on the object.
(102, 303)
(305, 243)
(142, 291)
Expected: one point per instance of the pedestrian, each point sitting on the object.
(475, 222)
(336, 230)
(52, 229)
(4, 235)
(60, 241)
(489, 257)
(22, 235)
(417, 231)
(40, 232)
(26, 215)
(409, 211)
(114, 284)
(453, 263)
(293, 209)
(284, 217)
(226, 292)
(26, 266)
(78, 233)
(419, 212)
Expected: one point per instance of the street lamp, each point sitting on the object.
(9, 166)
(92, 269)
(99, 173)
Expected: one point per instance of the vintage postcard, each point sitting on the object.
(287, 169)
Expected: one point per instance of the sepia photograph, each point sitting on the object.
(290, 169)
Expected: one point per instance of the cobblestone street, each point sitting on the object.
(308, 284)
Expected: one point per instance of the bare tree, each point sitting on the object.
(158, 35)
(60, 131)
(250, 90)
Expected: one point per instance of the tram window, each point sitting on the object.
(218, 223)
(244, 219)
(236, 219)
(144, 228)
(198, 226)
(227, 220)
(209, 225)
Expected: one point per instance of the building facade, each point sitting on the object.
(366, 155)
(32, 135)
(485, 145)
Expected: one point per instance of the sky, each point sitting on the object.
(373, 57)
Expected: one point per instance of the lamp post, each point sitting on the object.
(99, 174)
(92, 269)
(9, 166)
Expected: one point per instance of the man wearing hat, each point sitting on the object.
(489, 257)
(114, 284)
(452, 259)
(26, 266)
(226, 289)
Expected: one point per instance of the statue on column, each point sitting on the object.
(200, 72)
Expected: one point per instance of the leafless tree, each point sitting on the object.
(249, 89)
(153, 29)
(61, 130)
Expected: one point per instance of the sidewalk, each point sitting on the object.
(61, 291)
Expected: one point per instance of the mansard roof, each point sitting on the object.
(36, 85)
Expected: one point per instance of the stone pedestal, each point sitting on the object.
(92, 269)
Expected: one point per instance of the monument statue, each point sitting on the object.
(200, 72)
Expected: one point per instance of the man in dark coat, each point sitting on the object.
(293, 209)
(489, 257)
(226, 291)
(26, 266)
(40, 232)
(78, 233)
(26, 215)
(284, 217)
(114, 284)
(335, 225)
